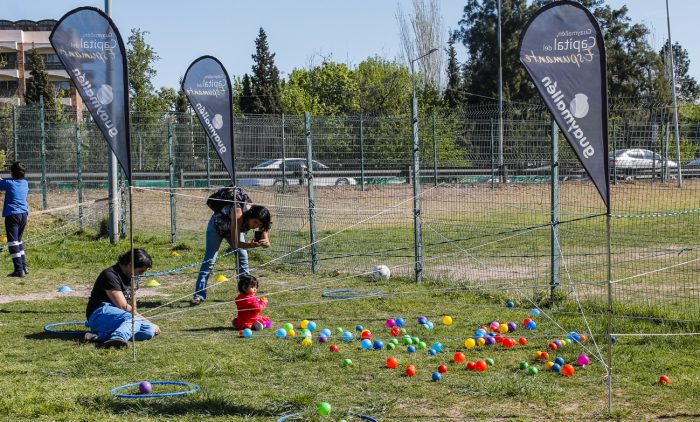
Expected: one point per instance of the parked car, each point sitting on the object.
(636, 162)
(693, 168)
(294, 172)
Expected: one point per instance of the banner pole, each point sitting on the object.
(133, 290)
(610, 312)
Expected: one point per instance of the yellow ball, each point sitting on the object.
(447, 320)
(306, 342)
(304, 323)
(503, 328)
(469, 343)
(538, 355)
(548, 365)
(174, 253)
(3, 239)
(291, 333)
(563, 343)
(481, 341)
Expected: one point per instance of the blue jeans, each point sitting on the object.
(110, 322)
(211, 251)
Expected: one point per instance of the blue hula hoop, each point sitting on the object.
(365, 417)
(115, 391)
(49, 327)
(349, 294)
(357, 415)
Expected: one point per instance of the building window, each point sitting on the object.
(9, 89)
(8, 60)
(51, 61)
(64, 86)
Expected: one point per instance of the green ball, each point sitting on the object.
(407, 341)
(524, 365)
(390, 346)
(532, 370)
(416, 340)
(347, 362)
(490, 361)
(339, 330)
(422, 345)
(288, 327)
(324, 408)
(426, 326)
(394, 341)
(403, 331)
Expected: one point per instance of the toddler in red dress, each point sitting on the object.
(249, 306)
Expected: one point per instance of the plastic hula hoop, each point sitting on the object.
(193, 388)
(49, 327)
(357, 415)
(349, 294)
(285, 417)
(365, 417)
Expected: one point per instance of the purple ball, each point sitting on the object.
(390, 323)
(145, 387)
(322, 338)
(490, 341)
(558, 343)
(512, 327)
(422, 320)
(268, 323)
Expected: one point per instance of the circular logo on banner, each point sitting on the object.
(218, 122)
(579, 106)
(105, 94)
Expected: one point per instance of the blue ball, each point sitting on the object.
(247, 333)
(535, 312)
(559, 361)
(480, 332)
(359, 328)
(531, 325)
(436, 376)
(613, 339)
(281, 333)
(432, 352)
(311, 326)
(378, 345)
(411, 349)
(366, 344)
(400, 322)
(437, 346)
(326, 332)
(347, 336)
(430, 325)
(490, 341)
(556, 367)
(422, 320)
(510, 304)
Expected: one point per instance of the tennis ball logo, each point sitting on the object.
(218, 122)
(579, 106)
(105, 95)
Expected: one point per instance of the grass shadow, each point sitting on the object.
(53, 336)
(215, 329)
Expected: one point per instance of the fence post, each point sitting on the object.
(310, 190)
(362, 153)
(435, 162)
(614, 167)
(14, 133)
(493, 161)
(554, 217)
(171, 173)
(417, 223)
(284, 158)
(43, 152)
(79, 164)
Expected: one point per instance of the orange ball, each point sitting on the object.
(481, 365)
(392, 363)
(545, 356)
(553, 347)
(410, 370)
(522, 341)
(583, 339)
(459, 357)
(567, 370)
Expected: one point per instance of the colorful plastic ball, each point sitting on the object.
(306, 333)
(281, 333)
(291, 333)
(326, 332)
(411, 349)
(471, 366)
(510, 304)
(306, 342)
(378, 345)
(422, 320)
(538, 355)
(548, 365)
(574, 336)
(436, 376)
(512, 327)
(267, 323)
(400, 322)
(407, 340)
(347, 336)
(556, 367)
(410, 370)
(583, 360)
(494, 326)
(503, 328)
(559, 360)
(359, 328)
(535, 312)
(322, 338)
(392, 363)
(339, 330)
(481, 341)
(395, 331)
(459, 357)
(447, 320)
(522, 341)
(347, 362)
(390, 346)
(481, 365)
(613, 339)
(394, 341)
(531, 325)
(508, 343)
(304, 323)
(490, 362)
(583, 338)
(366, 334)
(334, 348)
(429, 325)
(422, 345)
(415, 340)
(469, 343)
(553, 346)
(288, 326)
(366, 344)
(558, 343)
(563, 343)
(524, 365)
(324, 408)
(567, 370)
(480, 332)
(526, 321)
(390, 323)
(532, 370)
(545, 355)
(664, 379)
(489, 341)
(247, 333)
(437, 346)
(432, 352)
(442, 369)
(145, 387)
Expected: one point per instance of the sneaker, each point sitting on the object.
(26, 271)
(90, 338)
(196, 301)
(16, 274)
(114, 343)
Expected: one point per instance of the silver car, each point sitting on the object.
(294, 172)
(637, 161)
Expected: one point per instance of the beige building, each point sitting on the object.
(16, 42)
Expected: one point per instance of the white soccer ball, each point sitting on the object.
(381, 272)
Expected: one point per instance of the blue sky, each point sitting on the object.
(304, 31)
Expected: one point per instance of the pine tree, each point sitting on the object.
(687, 87)
(39, 84)
(452, 97)
(265, 78)
(246, 100)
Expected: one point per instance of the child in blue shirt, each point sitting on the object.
(15, 210)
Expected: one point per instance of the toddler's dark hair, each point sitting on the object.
(246, 281)
(18, 170)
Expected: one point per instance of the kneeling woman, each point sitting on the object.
(109, 309)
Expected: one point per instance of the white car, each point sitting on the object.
(294, 172)
(628, 162)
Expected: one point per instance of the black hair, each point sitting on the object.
(246, 281)
(18, 170)
(261, 213)
(141, 259)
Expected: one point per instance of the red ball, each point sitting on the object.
(442, 369)
(499, 338)
(334, 348)
(392, 363)
(553, 347)
(664, 379)
(481, 365)
(544, 356)
(471, 366)
(567, 370)
(459, 357)
(366, 335)
(526, 321)
(410, 370)
(508, 343)
(522, 341)
(395, 331)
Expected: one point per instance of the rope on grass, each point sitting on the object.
(658, 214)
(49, 328)
(349, 294)
(193, 388)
